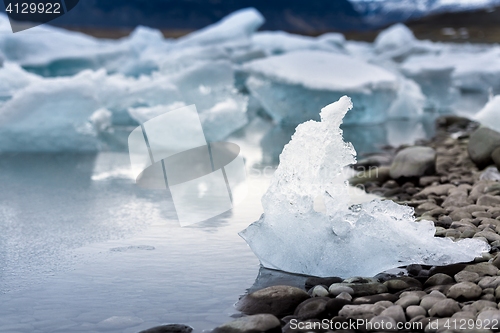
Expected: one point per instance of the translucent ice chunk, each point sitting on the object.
(489, 115)
(291, 86)
(360, 240)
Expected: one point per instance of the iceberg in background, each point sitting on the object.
(291, 86)
(231, 72)
(359, 240)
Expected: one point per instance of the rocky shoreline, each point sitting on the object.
(451, 180)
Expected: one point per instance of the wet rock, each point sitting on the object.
(371, 299)
(435, 190)
(344, 295)
(483, 304)
(251, 324)
(444, 308)
(171, 328)
(465, 276)
(316, 281)
(489, 200)
(438, 279)
(493, 316)
(428, 180)
(365, 289)
(312, 308)
(334, 305)
(428, 302)
(338, 288)
(481, 145)
(489, 235)
(276, 300)
(478, 189)
(414, 311)
(361, 311)
(413, 269)
(489, 282)
(396, 312)
(482, 269)
(457, 199)
(319, 291)
(402, 283)
(413, 162)
(450, 270)
(405, 302)
(464, 290)
(458, 215)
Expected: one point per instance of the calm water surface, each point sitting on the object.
(83, 249)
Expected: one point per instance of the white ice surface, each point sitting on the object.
(489, 116)
(360, 240)
(291, 86)
(323, 71)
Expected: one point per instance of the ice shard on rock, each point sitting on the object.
(359, 240)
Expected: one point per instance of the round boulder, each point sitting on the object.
(482, 143)
(276, 300)
(413, 162)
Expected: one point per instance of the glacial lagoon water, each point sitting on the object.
(83, 249)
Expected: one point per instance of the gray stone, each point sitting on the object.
(413, 162)
(435, 190)
(465, 276)
(482, 304)
(479, 189)
(344, 295)
(489, 235)
(319, 291)
(489, 282)
(457, 199)
(438, 279)
(312, 308)
(491, 315)
(251, 324)
(464, 290)
(444, 308)
(489, 200)
(396, 312)
(459, 214)
(407, 301)
(428, 302)
(371, 299)
(482, 143)
(361, 311)
(364, 289)
(171, 328)
(276, 300)
(417, 293)
(338, 288)
(385, 304)
(464, 315)
(415, 310)
(482, 269)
